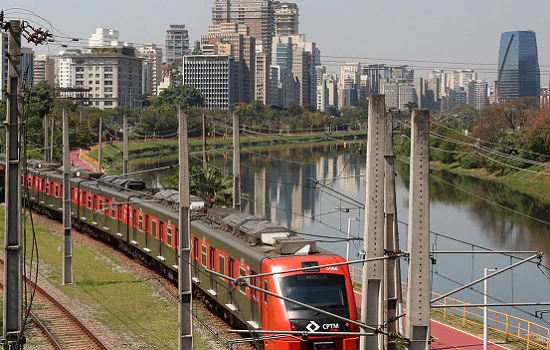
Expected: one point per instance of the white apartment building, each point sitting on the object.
(398, 95)
(114, 76)
(63, 68)
(44, 70)
(286, 18)
(103, 37)
(477, 94)
(461, 78)
(213, 76)
(152, 75)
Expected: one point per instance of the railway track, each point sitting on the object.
(59, 325)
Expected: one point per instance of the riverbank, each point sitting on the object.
(167, 150)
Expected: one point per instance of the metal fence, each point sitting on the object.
(507, 327)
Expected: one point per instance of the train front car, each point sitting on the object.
(326, 288)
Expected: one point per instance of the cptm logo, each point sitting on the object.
(312, 326)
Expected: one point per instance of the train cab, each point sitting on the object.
(325, 288)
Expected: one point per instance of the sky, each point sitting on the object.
(390, 31)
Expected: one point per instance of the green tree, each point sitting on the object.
(186, 96)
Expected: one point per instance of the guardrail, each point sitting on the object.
(509, 328)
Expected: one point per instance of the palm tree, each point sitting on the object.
(410, 106)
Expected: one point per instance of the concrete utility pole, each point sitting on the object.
(392, 270)
(51, 140)
(125, 166)
(184, 242)
(67, 234)
(99, 148)
(204, 140)
(46, 138)
(418, 288)
(373, 272)
(12, 330)
(236, 163)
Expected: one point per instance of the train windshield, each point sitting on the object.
(319, 290)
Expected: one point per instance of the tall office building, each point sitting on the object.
(461, 78)
(282, 57)
(232, 39)
(286, 19)
(152, 73)
(398, 94)
(257, 15)
(176, 44)
(212, 75)
(518, 66)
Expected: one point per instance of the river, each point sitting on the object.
(280, 188)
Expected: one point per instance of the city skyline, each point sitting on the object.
(416, 33)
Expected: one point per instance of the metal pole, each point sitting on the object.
(125, 151)
(204, 140)
(348, 241)
(99, 148)
(184, 241)
(418, 294)
(392, 270)
(534, 303)
(468, 285)
(236, 163)
(67, 234)
(485, 301)
(12, 309)
(373, 273)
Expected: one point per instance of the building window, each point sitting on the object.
(108, 82)
(108, 76)
(108, 69)
(108, 103)
(97, 75)
(108, 89)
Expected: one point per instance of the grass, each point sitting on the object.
(124, 303)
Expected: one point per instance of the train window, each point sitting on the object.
(266, 287)
(140, 221)
(56, 189)
(153, 228)
(29, 182)
(100, 205)
(204, 255)
(169, 235)
(47, 186)
(221, 265)
(212, 258)
(196, 249)
(90, 201)
(242, 272)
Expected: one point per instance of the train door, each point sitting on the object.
(147, 232)
(213, 268)
(161, 239)
(231, 274)
(196, 257)
(254, 312)
(139, 225)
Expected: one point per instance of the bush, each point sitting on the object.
(471, 162)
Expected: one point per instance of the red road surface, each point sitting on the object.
(447, 337)
(79, 163)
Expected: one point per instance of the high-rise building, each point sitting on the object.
(350, 74)
(176, 44)
(398, 94)
(113, 76)
(212, 75)
(261, 89)
(232, 39)
(477, 94)
(3, 64)
(281, 57)
(286, 19)
(257, 15)
(27, 66)
(44, 70)
(103, 37)
(152, 74)
(461, 78)
(63, 68)
(304, 72)
(420, 92)
(443, 78)
(432, 94)
(518, 66)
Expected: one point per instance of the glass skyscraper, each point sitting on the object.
(518, 66)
